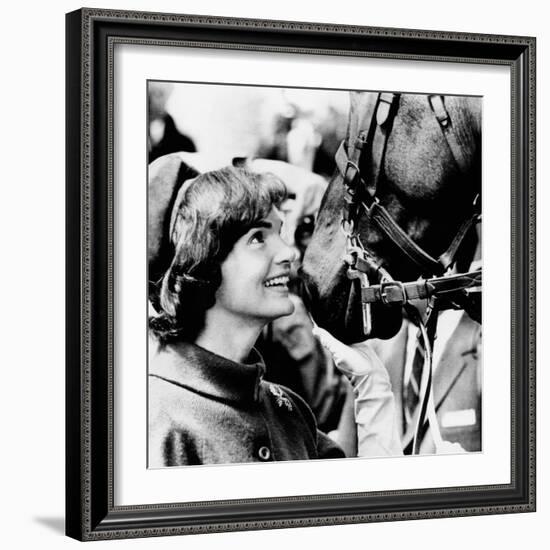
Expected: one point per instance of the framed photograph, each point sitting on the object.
(285, 244)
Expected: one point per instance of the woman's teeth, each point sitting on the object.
(277, 281)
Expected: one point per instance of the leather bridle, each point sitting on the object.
(437, 284)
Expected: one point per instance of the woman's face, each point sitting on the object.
(256, 272)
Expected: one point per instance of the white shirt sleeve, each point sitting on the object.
(374, 407)
(375, 411)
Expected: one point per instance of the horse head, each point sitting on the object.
(417, 158)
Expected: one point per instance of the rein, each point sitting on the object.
(437, 285)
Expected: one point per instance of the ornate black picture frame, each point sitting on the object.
(90, 509)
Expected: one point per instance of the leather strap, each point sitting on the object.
(346, 167)
(448, 257)
(426, 386)
(437, 103)
(369, 147)
(425, 263)
(386, 107)
(349, 154)
(395, 292)
(425, 412)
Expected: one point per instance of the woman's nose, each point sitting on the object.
(285, 252)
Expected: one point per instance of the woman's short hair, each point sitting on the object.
(211, 213)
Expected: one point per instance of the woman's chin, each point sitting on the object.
(281, 307)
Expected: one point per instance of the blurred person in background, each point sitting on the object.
(164, 137)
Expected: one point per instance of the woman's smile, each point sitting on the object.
(279, 282)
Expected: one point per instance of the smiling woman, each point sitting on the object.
(211, 214)
(228, 277)
(254, 287)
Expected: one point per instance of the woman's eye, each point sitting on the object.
(257, 238)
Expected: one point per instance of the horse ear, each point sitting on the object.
(166, 176)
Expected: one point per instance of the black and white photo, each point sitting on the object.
(314, 268)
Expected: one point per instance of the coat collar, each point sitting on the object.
(206, 373)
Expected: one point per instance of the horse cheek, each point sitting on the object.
(326, 289)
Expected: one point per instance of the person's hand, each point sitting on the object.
(355, 360)
(374, 407)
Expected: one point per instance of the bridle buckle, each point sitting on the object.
(353, 165)
(392, 292)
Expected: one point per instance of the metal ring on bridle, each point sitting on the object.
(348, 227)
(351, 164)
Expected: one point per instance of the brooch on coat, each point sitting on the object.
(281, 399)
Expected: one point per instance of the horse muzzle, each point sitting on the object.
(338, 308)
